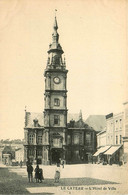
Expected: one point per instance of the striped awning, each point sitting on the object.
(112, 150)
(102, 150)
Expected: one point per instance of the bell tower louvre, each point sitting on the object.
(55, 97)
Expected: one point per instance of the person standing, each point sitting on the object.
(30, 172)
(37, 173)
(57, 174)
(21, 164)
(63, 163)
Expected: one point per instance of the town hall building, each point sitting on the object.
(48, 135)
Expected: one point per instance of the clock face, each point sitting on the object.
(56, 80)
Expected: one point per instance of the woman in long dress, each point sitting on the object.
(57, 174)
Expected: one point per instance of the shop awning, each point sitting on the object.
(102, 150)
(112, 150)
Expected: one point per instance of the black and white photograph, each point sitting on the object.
(64, 97)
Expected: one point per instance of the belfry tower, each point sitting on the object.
(55, 97)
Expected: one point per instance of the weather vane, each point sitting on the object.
(55, 12)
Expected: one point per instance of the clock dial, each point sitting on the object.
(56, 80)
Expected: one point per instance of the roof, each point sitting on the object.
(31, 116)
(98, 122)
(102, 150)
(74, 117)
(101, 132)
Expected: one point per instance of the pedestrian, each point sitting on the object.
(57, 174)
(21, 164)
(37, 173)
(63, 163)
(41, 175)
(30, 172)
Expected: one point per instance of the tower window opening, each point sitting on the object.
(56, 119)
(56, 102)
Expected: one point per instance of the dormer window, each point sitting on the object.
(56, 102)
(35, 122)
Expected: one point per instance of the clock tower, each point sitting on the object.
(55, 97)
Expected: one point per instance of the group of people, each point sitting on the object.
(38, 173)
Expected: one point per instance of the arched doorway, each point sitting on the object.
(56, 155)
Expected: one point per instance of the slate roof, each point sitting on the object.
(98, 122)
(30, 116)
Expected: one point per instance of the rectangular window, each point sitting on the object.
(30, 152)
(39, 139)
(57, 142)
(76, 139)
(56, 102)
(120, 123)
(120, 139)
(56, 119)
(116, 139)
(39, 152)
(88, 139)
(68, 139)
(31, 138)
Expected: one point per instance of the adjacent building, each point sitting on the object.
(19, 155)
(110, 140)
(81, 142)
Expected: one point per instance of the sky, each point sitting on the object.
(93, 35)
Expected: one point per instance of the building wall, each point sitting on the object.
(19, 155)
(81, 144)
(114, 129)
(101, 139)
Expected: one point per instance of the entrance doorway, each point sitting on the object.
(56, 155)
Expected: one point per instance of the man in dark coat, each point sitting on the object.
(30, 172)
(37, 173)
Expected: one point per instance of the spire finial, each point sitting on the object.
(80, 115)
(55, 23)
(55, 12)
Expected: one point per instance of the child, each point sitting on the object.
(41, 175)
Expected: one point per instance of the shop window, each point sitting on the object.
(56, 102)
(56, 119)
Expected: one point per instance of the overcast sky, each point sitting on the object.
(93, 37)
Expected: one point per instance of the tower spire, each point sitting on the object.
(55, 46)
(80, 115)
(55, 26)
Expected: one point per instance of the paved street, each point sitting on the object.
(75, 179)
